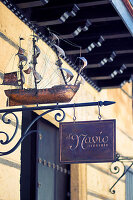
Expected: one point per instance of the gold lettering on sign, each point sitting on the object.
(84, 141)
(75, 138)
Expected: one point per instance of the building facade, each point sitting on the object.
(33, 171)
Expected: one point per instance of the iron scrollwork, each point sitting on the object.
(6, 120)
(59, 116)
(118, 166)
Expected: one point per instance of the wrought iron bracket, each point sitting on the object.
(59, 116)
(116, 168)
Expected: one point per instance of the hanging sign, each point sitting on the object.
(88, 141)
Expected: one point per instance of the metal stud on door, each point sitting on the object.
(52, 177)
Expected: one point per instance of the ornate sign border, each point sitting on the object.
(88, 141)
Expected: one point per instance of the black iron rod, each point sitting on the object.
(98, 103)
(62, 73)
(34, 61)
(113, 191)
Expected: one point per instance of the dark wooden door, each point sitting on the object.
(42, 176)
(53, 179)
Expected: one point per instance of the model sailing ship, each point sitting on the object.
(56, 94)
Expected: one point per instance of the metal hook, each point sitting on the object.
(99, 114)
(74, 115)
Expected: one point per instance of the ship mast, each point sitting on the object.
(59, 63)
(21, 67)
(21, 74)
(34, 60)
(59, 52)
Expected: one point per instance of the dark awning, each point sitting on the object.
(96, 26)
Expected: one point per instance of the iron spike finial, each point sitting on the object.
(107, 103)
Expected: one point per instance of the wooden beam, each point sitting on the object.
(95, 20)
(129, 65)
(105, 19)
(81, 5)
(97, 65)
(84, 51)
(74, 52)
(108, 77)
(95, 3)
(117, 36)
(124, 51)
(29, 4)
(107, 37)
(49, 23)
(101, 78)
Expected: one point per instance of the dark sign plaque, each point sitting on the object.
(88, 141)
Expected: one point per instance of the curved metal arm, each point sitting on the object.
(58, 117)
(8, 121)
(116, 169)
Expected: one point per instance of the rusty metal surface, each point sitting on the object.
(10, 79)
(88, 141)
(56, 94)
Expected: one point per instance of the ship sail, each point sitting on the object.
(28, 71)
(35, 73)
(37, 76)
(82, 66)
(21, 55)
(33, 62)
(39, 92)
(11, 79)
(84, 63)
(69, 74)
(37, 51)
(54, 37)
(60, 50)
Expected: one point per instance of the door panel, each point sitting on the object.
(52, 177)
(42, 176)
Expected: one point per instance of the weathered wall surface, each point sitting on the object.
(88, 181)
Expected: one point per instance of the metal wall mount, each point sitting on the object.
(119, 166)
(59, 115)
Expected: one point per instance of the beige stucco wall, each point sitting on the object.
(88, 181)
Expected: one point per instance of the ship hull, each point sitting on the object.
(56, 94)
